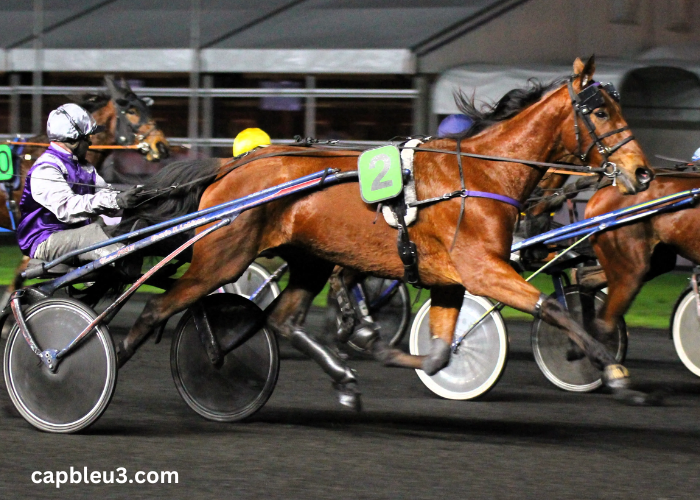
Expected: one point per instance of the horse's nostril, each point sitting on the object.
(644, 176)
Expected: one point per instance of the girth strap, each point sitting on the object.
(463, 201)
(407, 249)
(466, 193)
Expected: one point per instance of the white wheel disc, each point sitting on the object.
(79, 391)
(481, 358)
(685, 326)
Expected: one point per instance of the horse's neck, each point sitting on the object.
(533, 135)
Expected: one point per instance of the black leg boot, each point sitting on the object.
(344, 380)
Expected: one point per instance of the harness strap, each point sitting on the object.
(407, 249)
(466, 193)
(463, 200)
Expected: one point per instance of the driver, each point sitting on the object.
(63, 194)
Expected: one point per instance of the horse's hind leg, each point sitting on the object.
(288, 313)
(217, 260)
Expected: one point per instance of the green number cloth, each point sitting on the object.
(379, 170)
(6, 166)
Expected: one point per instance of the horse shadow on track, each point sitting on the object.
(390, 425)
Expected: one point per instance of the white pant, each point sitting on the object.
(61, 243)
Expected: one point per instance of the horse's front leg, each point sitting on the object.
(495, 278)
(446, 302)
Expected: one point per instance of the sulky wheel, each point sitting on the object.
(80, 390)
(251, 279)
(550, 345)
(481, 358)
(243, 381)
(685, 328)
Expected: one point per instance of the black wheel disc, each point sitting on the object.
(243, 383)
(77, 394)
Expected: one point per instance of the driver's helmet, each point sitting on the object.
(70, 122)
(454, 125)
(250, 139)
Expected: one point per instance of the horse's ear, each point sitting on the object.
(114, 91)
(125, 85)
(585, 71)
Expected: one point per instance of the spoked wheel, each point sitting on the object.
(240, 385)
(390, 307)
(480, 360)
(550, 345)
(685, 327)
(80, 390)
(250, 281)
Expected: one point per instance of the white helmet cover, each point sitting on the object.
(70, 122)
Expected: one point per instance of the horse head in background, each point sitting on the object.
(127, 120)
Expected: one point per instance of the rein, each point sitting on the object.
(19, 143)
(329, 146)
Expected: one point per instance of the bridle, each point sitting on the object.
(127, 133)
(583, 104)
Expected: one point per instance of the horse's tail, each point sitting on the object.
(181, 185)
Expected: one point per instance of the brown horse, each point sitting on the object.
(635, 253)
(127, 121)
(313, 232)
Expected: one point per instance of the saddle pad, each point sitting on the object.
(409, 189)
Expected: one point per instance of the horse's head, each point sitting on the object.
(133, 124)
(597, 133)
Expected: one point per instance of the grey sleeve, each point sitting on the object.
(51, 190)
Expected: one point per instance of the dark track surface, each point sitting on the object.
(525, 439)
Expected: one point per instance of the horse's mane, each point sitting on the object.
(512, 103)
(193, 175)
(91, 102)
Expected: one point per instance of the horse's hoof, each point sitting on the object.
(349, 396)
(637, 398)
(438, 357)
(123, 354)
(616, 377)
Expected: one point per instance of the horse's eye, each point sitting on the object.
(131, 111)
(601, 113)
